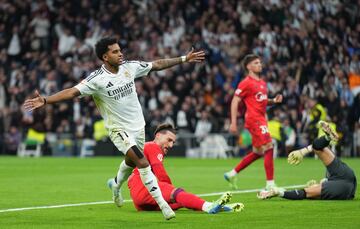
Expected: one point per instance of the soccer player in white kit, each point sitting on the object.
(113, 90)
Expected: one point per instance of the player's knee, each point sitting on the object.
(175, 193)
(137, 152)
(129, 162)
(135, 156)
(142, 163)
(313, 192)
(267, 146)
(258, 150)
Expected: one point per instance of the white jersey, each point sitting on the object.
(115, 94)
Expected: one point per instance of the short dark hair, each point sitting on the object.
(102, 46)
(162, 128)
(247, 59)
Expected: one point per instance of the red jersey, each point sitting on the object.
(138, 192)
(254, 94)
(155, 156)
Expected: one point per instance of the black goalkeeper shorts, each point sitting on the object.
(341, 184)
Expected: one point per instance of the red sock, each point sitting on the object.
(189, 200)
(269, 164)
(247, 160)
(175, 206)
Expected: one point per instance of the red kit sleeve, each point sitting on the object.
(155, 157)
(241, 89)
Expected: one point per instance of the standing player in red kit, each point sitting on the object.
(155, 151)
(253, 92)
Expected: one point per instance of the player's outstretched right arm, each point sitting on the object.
(39, 101)
(191, 57)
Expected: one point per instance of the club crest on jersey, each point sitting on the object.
(160, 157)
(260, 97)
(127, 74)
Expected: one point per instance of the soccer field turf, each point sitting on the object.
(48, 181)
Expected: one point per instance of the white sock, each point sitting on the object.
(123, 173)
(149, 180)
(270, 183)
(232, 173)
(281, 193)
(206, 206)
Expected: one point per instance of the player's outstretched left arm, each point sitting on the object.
(191, 57)
(278, 99)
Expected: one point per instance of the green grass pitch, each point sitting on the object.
(48, 181)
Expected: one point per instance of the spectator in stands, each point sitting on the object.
(203, 126)
(184, 118)
(306, 43)
(290, 135)
(41, 24)
(12, 140)
(2, 132)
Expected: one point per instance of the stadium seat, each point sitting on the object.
(214, 146)
(87, 148)
(29, 148)
(32, 144)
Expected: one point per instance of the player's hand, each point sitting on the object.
(295, 157)
(278, 98)
(195, 56)
(32, 104)
(233, 129)
(323, 180)
(311, 183)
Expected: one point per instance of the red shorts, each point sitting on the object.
(259, 133)
(142, 199)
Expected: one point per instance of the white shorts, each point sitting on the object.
(124, 140)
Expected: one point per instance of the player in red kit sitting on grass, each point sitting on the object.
(253, 92)
(155, 151)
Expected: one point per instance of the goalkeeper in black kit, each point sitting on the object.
(340, 182)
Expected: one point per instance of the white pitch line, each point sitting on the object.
(111, 202)
(247, 191)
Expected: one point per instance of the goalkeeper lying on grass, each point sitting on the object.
(340, 181)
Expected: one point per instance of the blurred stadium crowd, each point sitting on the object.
(310, 50)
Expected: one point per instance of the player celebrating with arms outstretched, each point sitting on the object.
(113, 89)
(253, 92)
